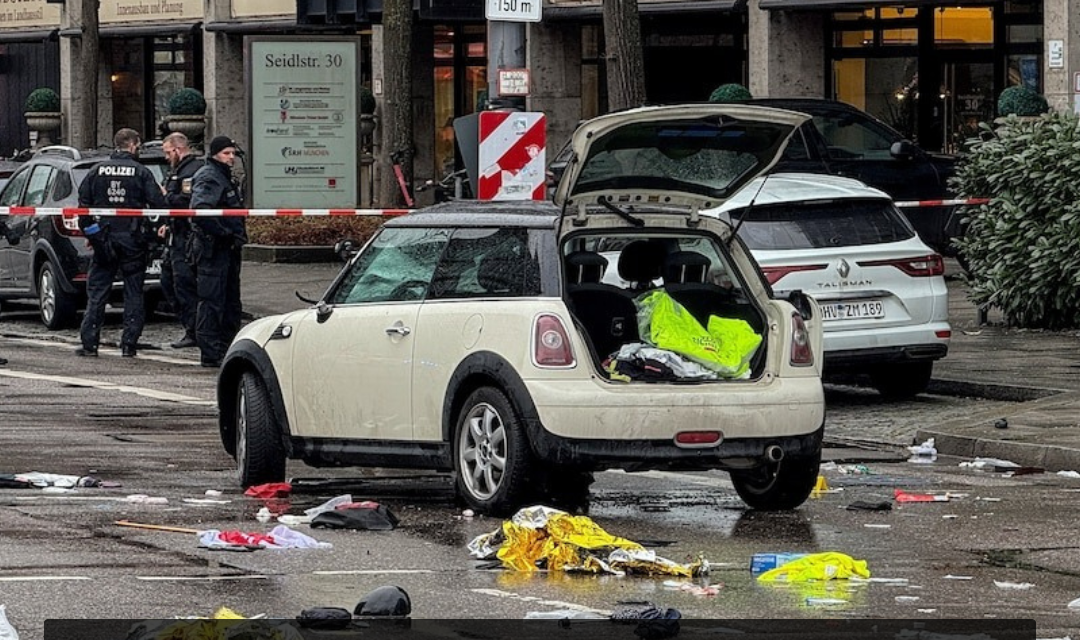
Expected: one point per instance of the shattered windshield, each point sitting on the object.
(712, 157)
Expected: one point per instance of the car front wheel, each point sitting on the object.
(780, 486)
(492, 460)
(58, 308)
(260, 456)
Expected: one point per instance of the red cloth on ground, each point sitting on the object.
(271, 490)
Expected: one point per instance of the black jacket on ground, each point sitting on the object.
(213, 188)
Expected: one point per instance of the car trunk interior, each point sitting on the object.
(617, 283)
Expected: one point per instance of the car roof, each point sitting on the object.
(814, 104)
(781, 188)
(477, 213)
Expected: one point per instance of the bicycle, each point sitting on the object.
(453, 186)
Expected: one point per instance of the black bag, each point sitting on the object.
(374, 518)
(325, 618)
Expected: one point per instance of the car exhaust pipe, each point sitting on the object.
(773, 453)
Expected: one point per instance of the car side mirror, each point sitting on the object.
(323, 312)
(904, 150)
(801, 302)
(346, 248)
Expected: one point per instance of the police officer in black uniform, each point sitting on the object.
(120, 243)
(12, 238)
(217, 242)
(178, 273)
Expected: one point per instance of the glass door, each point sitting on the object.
(967, 98)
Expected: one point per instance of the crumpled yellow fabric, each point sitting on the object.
(540, 537)
(726, 347)
(831, 565)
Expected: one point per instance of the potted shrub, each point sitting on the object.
(42, 114)
(367, 112)
(1021, 101)
(732, 92)
(187, 109)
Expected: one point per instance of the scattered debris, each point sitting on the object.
(877, 526)
(329, 505)
(468, 513)
(923, 453)
(213, 493)
(927, 610)
(952, 577)
(38, 480)
(762, 562)
(692, 589)
(270, 490)
(1069, 474)
(280, 537)
(903, 496)
(7, 631)
(995, 463)
(204, 501)
(264, 515)
(363, 516)
(1075, 604)
(830, 565)
(860, 505)
(1001, 423)
(385, 601)
(142, 498)
(292, 521)
(325, 618)
(906, 598)
(541, 537)
(1000, 584)
(824, 602)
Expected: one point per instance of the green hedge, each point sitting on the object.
(1023, 248)
(731, 92)
(1021, 101)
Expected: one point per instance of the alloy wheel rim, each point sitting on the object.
(48, 295)
(482, 451)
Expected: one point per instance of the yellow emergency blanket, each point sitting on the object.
(544, 538)
(726, 347)
(224, 624)
(830, 565)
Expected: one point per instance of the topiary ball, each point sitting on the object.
(187, 102)
(43, 100)
(1021, 101)
(731, 92)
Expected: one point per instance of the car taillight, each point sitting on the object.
(801, 353)
(773, 274)
(67, 226)
(921, 267)
(551, 344)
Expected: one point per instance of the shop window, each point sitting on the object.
(963, 25)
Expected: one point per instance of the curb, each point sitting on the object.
(289, 254)
(975, 437)
(989, 390)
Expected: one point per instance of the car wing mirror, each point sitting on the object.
(903, 150)
(801, 302)
(323, 311)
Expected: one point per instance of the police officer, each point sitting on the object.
(217, 242)
(178, 273)
(12, 238)
(119, 243)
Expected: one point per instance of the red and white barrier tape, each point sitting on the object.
(941, 203)
(68, 212)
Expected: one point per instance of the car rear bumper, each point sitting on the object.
(865, 358)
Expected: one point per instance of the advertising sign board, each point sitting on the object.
(302, 96)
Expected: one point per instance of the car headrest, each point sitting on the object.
(585, 267)
(641, 261)
(685, 267)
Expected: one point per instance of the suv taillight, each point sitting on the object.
(551, 344)
(921, 267)
(67, 226)
(773, 274)
(801, 353)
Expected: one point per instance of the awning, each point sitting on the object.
(28, 36)
(129, 30)
(252, 26)
(644, 8)
(818, 5)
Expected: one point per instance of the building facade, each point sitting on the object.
(930, 69)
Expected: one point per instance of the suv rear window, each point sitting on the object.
(814, 225)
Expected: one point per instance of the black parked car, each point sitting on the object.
(846, 141)
(51, 260)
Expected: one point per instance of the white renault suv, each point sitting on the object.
(884, 302)
(479, 337)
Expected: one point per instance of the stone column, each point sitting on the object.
(1061, 20)
(223, 79)
(786, 53)
(72, 101)
(553, 57)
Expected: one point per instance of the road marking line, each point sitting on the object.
(559, 604)
(71, 345)
(370, 572)
(196, 578)
(41, 578)
(110, 386)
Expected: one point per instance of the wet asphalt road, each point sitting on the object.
(149, 424)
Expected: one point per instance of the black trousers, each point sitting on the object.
(178, 281)
(128, 259)
(218, 284)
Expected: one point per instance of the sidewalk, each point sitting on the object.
(1040, 371)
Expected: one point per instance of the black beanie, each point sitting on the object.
(220, 143)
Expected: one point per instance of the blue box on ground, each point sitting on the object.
(762, 562)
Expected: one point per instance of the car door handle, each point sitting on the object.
(398, 330)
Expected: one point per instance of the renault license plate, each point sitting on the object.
(155, 267)
(853, 310)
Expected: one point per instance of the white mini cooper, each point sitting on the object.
(482, 337)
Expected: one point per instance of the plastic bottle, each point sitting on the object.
(7, 632)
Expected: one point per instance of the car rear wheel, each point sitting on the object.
(780, 486)
(260, 456)
(900, 381)
(492, 460)
(58, 308)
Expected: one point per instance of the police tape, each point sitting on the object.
(905, 204)
(70, 212)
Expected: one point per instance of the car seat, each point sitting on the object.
(686, 280)
(606, 314)
(641, 263)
